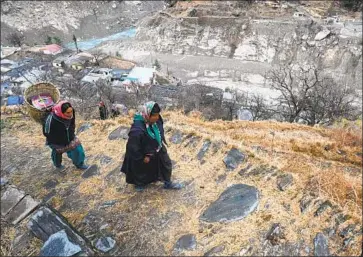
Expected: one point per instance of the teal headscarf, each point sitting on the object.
(144, 115)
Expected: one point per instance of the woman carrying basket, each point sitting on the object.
(59, 128)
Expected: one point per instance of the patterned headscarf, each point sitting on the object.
(57, 110)
(144, 115)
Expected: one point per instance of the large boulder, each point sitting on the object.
(235, 203)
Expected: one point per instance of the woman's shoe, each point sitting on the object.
(172, 185)
(60, 167)
(139, 188)
(83, 167)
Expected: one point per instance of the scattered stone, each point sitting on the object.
(350, 228)
(305, 202)
(284, 181)
(275, 234)
(108, 204)
(321, 245)
(310, 43)
(51, 183)
(244, 27)
(347, 242)
(192, 12)
(233, 159)
(91, 171)
(341, 218)
(21, 210)
(9, 199)
(84, 127)
(104, 160)
(304, 37)
(49, 196)
(114, 6)
(203, 150)
(221, 178)
(235, 203)
(217, 146)
(120, 132)
(105, 244)
(58, 244)
(214, 250)
(4, 181)
(192, 142)
(341, 152)
(173, 163)
(187, 242)
(329, 232)
(244, 170)
(322, 34)
(176, 138)
(325, 205)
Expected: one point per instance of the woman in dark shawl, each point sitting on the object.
(146, 159)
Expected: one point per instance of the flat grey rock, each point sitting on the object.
(22, 209)
(322, 34)
(203, 150)
(84, 127)
(235, 203)
(215, 250)
(105, 244)
(187, 242)
(52, 183)
(104, 160)
(58, 244)
(9, 199)
(120, 132)
(321, 245)
(177, 137)
(4, 181)
(44, 223)
(91, 171)
(284, 181)
(233, 159)
(275, 234)
(305, 203)
(323, 207)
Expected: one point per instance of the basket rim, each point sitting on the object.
(41, 82)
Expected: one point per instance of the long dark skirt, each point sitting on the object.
(139, 173)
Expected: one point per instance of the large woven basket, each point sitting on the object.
(37, 89)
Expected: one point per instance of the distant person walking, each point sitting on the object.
(103, 110)
(59, 130)
(146, 159)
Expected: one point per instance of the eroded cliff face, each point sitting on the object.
(336, 49)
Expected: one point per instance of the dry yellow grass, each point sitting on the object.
(293, 148)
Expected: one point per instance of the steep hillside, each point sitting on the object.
(86, 19)
(309, 180)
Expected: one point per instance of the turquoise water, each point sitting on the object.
(91, 43)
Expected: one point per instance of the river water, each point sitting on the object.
(92, 43)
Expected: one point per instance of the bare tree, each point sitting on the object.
(329, 102)
(256, 103)
(15, 39)
(98, 54)
(295, 87)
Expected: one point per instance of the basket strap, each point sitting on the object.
(47, 123)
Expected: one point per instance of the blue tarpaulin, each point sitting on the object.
(15, 100)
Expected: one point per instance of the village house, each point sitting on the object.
(142, 75)
(96, 74)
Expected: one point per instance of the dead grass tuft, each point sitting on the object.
(341, 188)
